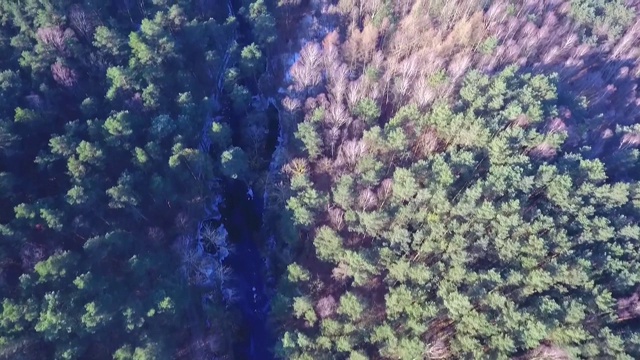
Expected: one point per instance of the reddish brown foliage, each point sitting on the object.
(54, 37)
(543, 151)
(63, 75)
(556, 125)
(332, 40)
(326, 306)
(427, 143)
(630, 140)
(547, 352)
(629, 307)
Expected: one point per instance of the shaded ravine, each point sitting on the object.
(240, 213)
(242, 217)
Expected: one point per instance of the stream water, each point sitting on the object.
(240, 213)
(242, 216)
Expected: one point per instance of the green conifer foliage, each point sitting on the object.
(487, 246)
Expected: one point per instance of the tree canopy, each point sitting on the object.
(319, 179)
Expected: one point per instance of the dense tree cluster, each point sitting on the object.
(103, 165)
(442, 179)
(465, 191)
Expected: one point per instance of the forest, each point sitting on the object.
(319, 179)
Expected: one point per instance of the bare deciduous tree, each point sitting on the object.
(82, 21)
(306, 71)
(351, 152)
(182, 220)
(324, 166)
(331, 138)
(512, 51)
(581, 51)
(542, 151)
(437, 350)
(467, 31)
(630, 140)
(570, 41)
(54, 37)
(336, 218)
(63, 75)
(337, 115)
(629, 307)
(628, 42)
(385, 190)
(326, 306)
(341, 272)
(551, 55)
(367, 199)
(338, 83)
(354, 93)
(427, 143)
(547, 351)
(459, 65)
(497, 13)
(291, 104)
(337, 72)
(556, 125)
(423, 93)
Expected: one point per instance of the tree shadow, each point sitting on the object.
(597, 98)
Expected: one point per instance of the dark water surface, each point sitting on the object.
(242, 217)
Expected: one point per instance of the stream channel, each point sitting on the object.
(241, 214)
(242, 217)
